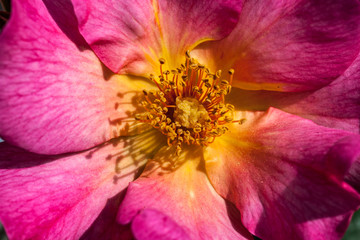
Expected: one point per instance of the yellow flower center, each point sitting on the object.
(189, 105)
(190, 112)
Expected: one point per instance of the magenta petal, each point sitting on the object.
(152, 224)
(58, 197)
(105, 226)
(345, 153)
(285, 172)
(55, 95)
(180, 190)
(350, 148)
(335, 105)
(290, 45)
(130, 36)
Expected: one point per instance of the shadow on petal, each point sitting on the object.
(105, 226)
(64, 15)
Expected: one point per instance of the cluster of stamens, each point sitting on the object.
(191, 85)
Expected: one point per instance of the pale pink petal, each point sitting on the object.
(178, 187)
(335, 105)
(281, 173)
(130, 36)
(55, 95)
(59, 197)
(291, 45)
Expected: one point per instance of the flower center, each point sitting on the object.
(190, 112)
(189, 105)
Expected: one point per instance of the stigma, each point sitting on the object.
(189, 105)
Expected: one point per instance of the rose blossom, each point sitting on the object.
(86, 157)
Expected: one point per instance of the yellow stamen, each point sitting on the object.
(189, 107)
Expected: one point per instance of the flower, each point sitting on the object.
(73, 167)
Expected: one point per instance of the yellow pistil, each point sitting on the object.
(189, 112)
(189, 106)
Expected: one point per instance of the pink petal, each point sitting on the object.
(55, 95)
(105, 226)
(335, 105)
(350, 148)
(180, 190)
(276, 169)
(59, 197)
(152, 224)
(130, 36)
(289, 45)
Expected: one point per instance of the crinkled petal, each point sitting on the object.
(294, 45)
(130, 36)
(179, 189)
(335, 105)
(54, 197)
(55, 95)
(276, 169)
(59, 197)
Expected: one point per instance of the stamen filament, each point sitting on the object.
(190, 81)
